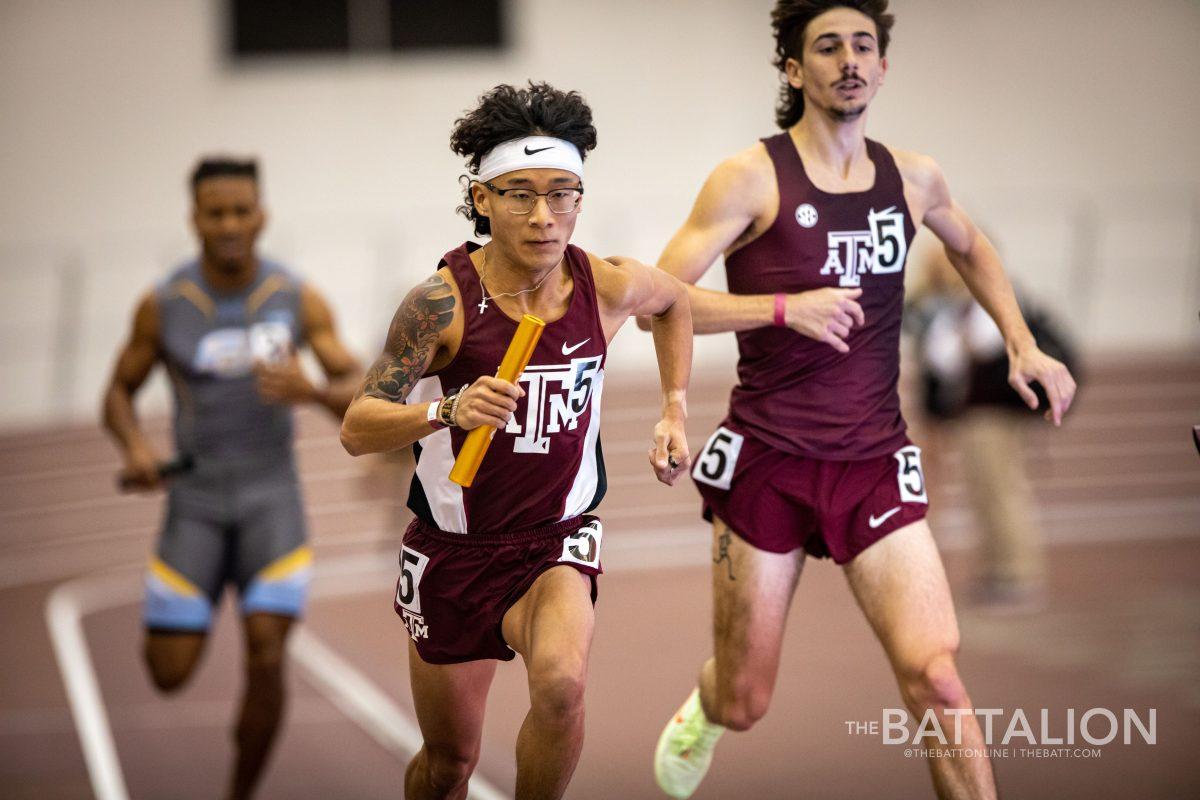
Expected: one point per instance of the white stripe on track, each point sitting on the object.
(65, 609)
(351, 692)
(368, 706)
(356, 695)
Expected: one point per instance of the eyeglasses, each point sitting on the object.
(522, 201)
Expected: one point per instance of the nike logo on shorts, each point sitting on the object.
(529, 152)
(568, 350)
(875, 521)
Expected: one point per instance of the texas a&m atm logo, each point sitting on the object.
(556, 395)
(879, 250)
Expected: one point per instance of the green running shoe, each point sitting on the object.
(685, 749)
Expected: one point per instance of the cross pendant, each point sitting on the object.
(483, 305)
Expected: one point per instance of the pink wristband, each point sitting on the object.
(780, 310)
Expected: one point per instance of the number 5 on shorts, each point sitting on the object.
(583, 546)
(909, 476)
(412, 567)
(718, 458)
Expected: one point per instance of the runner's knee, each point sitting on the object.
(450, 766)
(934, 684)
(168, 675)
(169, 670)
(264, 657)
(743, 704)
(265, 652)
(557, 695)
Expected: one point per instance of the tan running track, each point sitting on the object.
(1120, 494)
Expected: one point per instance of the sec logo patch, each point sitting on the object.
(806, 215)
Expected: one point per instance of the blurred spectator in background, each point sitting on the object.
(963, 382)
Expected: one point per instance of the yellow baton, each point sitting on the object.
(520, 350)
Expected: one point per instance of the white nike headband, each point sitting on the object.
(531, 152)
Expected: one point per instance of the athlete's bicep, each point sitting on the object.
(953, 227)
(725, 208)
(944, 217)
(413, 340)
(320, 333)
(141, 352)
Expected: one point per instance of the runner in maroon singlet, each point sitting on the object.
(815, 224)
(509, 564)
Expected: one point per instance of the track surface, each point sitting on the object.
(1119, 488)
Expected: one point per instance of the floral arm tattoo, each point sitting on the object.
(411, 340)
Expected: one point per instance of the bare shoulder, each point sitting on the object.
(625, 284)
(423, 337)
(917, 169)
(145, 317)
(430, 306)
(311, 294)
(615, 279)
(428, 310)
(925, 188)
(437, 283)
(314, 310)
(747, 173)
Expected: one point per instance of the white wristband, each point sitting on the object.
(431, 415)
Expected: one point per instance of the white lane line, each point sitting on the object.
(347, 688)
(368, 706)
(351, 692)
(355, 695)
(65, 609)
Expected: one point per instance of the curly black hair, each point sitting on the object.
(789, 21)
(506, 113)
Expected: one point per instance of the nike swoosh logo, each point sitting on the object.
(568, 350)
(875, 521)
(529, 152)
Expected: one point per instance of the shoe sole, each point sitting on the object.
(660, 751)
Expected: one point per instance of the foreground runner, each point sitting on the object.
(813, 456)
(509, 565)
(226, 327)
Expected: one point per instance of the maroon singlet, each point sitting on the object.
(794, 393)
(546, 466)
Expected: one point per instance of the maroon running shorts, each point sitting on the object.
(833, 509)
(455, 588)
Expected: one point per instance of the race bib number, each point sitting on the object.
(718, 458)
(583, 546)
(909, 476)
(408, 588)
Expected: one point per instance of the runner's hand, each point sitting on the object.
(669, 457)
(487, 401)
(826, 315)
(1034, 365)
(140, 473)
(284, 382)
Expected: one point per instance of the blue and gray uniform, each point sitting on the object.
(237, 516)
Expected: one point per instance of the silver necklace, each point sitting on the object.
(486, 297)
